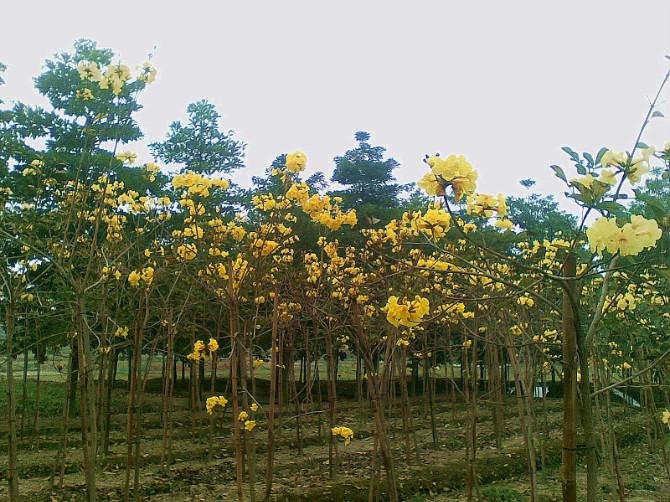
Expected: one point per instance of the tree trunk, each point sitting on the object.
(12, 471)
(569, 457)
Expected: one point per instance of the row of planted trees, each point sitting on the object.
(103, 259)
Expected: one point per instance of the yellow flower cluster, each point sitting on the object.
(298, 192)
(454, 171)
(296, 161)
(85, 94)
(628, 240)
(147, 73)
(146, 275)
(197, 184)
(115, 76)
(200, 350)
(486, 205)
(214, 401)
(435, 220)
(264, 247)
(406, 313)
(321, 209)
(187, 252)
(344, 432)
(121, 332)
(127, 157)
(107, 271)
(327, 212)
(526, 301)
(638, 167)
(665, 418)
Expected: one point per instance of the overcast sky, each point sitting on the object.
(505, 83)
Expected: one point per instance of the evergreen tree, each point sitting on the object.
(200, 145)
(368, 182)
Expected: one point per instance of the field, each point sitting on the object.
(203, 463)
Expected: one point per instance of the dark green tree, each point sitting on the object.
(200, 146)
(368, 182)
(539, 215)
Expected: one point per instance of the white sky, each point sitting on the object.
(506, 83)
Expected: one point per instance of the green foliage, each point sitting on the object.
(368, 181)
(539, 216)
(200, 146)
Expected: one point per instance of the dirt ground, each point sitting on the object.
(204, 458)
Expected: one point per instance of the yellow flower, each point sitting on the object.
(637, 170)
(127, 157)
(199, 346)
(243, 416)
(197, 184)
(258, 363)
(249, 425)
(147, 73)
(502, 205)
(213, 345)
(436, 220)
(296, 161)
(585, 181)
(84, 94)
(601, 234)
(505, 224)
(666, 418)
(121, 332)
(148, 275)
(187, 252)
(454, 171)
(134, 278)
(152, 168)
(612, 158)
(629, 240)
(637, 235)
(526, 301)
(214, 401)
(344, 432)
(264, 247)
(88, 70)
(254, 407)
(607, 176)
(406, 313)
(431, 185)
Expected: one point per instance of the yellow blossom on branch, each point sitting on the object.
(406, 313)
(344, 432)
(214, 401)
(296, 161)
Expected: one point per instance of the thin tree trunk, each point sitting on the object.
(272, 398)
(24, 386)
(569, 456)
(12, 471)
(86, 401)
(36, 419)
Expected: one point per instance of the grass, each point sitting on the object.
(52, 398)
